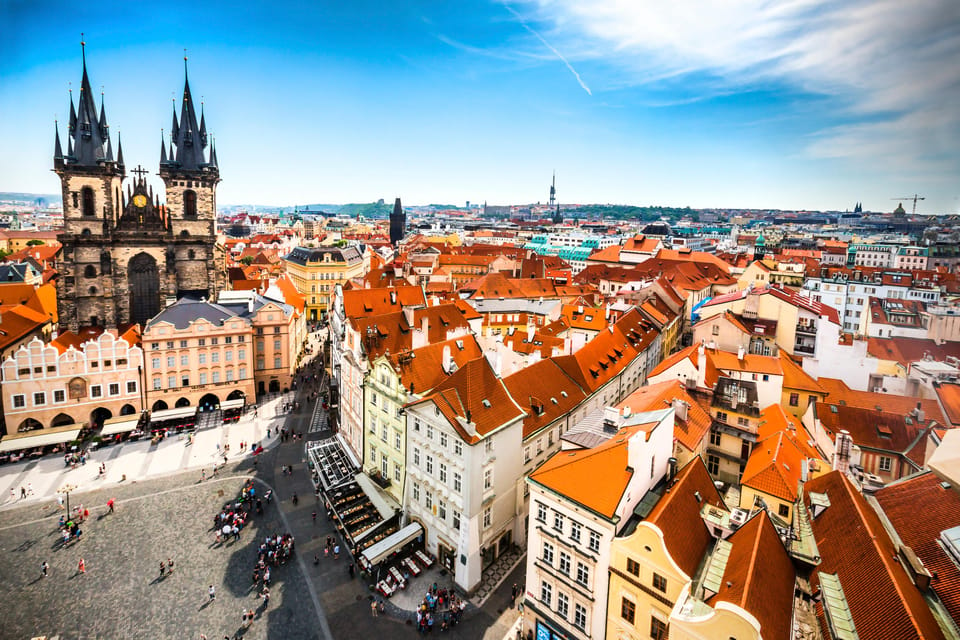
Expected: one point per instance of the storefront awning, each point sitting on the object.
(233, 404)
(57, 435)
(173, 414)
(123, 424)
(378, 552)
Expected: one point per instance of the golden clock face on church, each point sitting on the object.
(140, 201)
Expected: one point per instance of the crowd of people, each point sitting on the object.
(441, 608)
(235, 515)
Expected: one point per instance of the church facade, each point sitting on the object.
(126, 254)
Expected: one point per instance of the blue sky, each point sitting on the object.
(788, 104)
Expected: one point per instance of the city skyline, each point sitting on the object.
(791, 106)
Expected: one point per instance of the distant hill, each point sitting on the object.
(30, 199)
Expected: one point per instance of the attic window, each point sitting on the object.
(460, 345)
(563, 393)
(554, 400)
(486, 403)
(833, 408)
(884, 431)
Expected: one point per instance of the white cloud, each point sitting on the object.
(890, 67)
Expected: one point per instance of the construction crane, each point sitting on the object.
(914, 197)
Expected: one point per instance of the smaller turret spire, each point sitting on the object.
(119, 151)
(175, 129)
(163, 149)
(203, 127)
(72, 125)
(103, 116)
(57, 149)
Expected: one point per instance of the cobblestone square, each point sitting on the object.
(121, 595)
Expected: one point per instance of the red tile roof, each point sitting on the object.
(941, 511)
(838, 393)
(475, 389)
(367, 302)
(690, 432)
(422, 369)
(759, 578)
(948, 394)
(884, 603)
(774, 467)
(907, 350)
(677, 515)
(545, 392)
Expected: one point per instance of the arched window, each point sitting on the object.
(190, 204)
(90, 271)
(93, 291)
(184, 234)
(85, 233)
(89, 209)
(191, 254)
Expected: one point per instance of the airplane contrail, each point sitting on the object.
(552, 48)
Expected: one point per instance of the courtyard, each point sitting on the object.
(121, 594)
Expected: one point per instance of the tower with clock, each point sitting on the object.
(125, 253)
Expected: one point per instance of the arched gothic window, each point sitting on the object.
(89, 271)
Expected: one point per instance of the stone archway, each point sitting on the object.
(182, 402)
(29, 425)
(209, 402)
(159, 405)
(61, 420)
(143, 279)
(98, 416)
(236, 394)
(128, 410)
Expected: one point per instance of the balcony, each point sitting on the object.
(379, 479)
(808, 329)
(808, 349)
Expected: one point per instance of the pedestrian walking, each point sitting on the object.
(110, 504)
(373, 608)
(169, 566)
(314, 516)
(81, 566)
(350, 569)
(212, 592)
(163, 568)
(44, 567)
(513, 594)
(295, 499)
(203, 475)
(336, 551)
(23, 492)
(266, 596)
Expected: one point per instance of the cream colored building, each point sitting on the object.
(317, 271)
(71, 381)
(198, 354)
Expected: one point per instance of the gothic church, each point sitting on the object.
(125, 254)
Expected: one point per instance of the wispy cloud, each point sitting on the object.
(549, 46)
(888, 68)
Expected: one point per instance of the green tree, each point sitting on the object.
(34, 243)
(246, 261)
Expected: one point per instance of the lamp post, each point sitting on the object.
(66, 490)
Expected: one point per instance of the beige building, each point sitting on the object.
(317, 271)
(198, 354)
(86, 378)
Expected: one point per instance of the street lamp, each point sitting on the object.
(66, 490)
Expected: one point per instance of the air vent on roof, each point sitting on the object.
(486, 403)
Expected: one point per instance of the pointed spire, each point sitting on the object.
(108, 150)
(119, 150)
(103, 117)
(163, 149)
(190, 137)
(90, 144)
(213, 154)
(175, 130)
(69, 147)
(57, 149)
(72, 126)
(203, 127)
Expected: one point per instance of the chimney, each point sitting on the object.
(424, 325)
(250, 304)
(741, 352)
(680, 409)
(611, 420)
(920, 414)
(447, 360)
(626, 412)
(671, 470)
(393, 296)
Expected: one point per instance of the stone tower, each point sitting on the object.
(91, 182)
(398, 223)
(125, 255)
(190, 175)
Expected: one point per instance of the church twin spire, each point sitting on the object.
(188, 138)
(88, 133)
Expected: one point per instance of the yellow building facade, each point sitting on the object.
(316, 272)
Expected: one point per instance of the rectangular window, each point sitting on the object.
(155, 363)
(430, 464)
(397, 440)
(442, 510)
(157, 384)
(183, 344)
(383, 432)
(784, 511)
(184, 360)
(558, 521)
(541, 512)
(241, 354)
(628, 610)
(96, 391)
(580, 617)
(583, 575)
(428, 500)
(456, 520)
(203, 378)
(113, 388)
(633, 567)
(40, 398)
(575, 529)
(794, 399)
(526, 454)
(429, 432)
(457, 482)
(594, 543)
(171, 382)
(278, 362)
(743, 422)
(243, 372)
(713, 464)
(201, 358)
(458, 448)
(228, 356)
(416, 492)
(658, 629)
(216, 376)
(171, 361)
(659, 582)
(276, 345)
(228, 340)
(443, 472)
(416, 456)
(564, 563)
(19, 401)
(396, 472)
(886, 463)
(488, 478)
(131, 386)
(487, 517)
(715, 437)
(546, 593)
(229, 375)
(59, 395)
